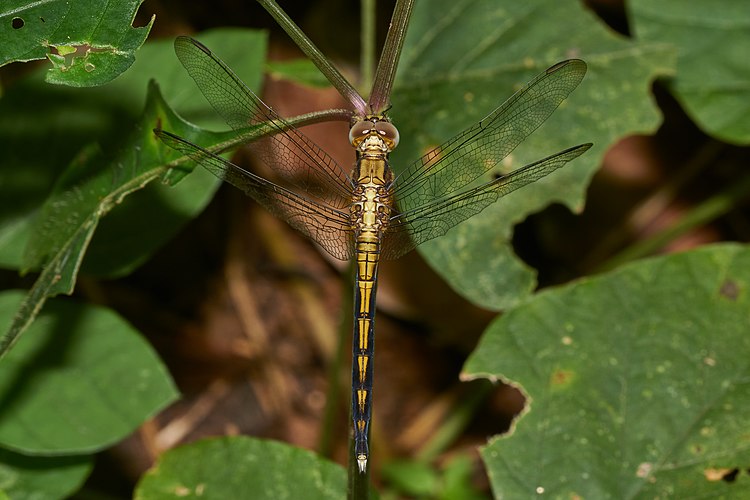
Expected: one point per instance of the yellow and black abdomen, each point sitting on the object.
(367, 256)
(370, 213)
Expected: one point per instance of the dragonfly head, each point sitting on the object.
(374, 133)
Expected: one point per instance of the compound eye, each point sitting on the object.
(388, 132)
(359, 131)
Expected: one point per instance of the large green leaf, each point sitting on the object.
(137, 227)
(638, 382)
(88, 43)
(24, 477)
(43, 127)
(93, 186)
(90, 188)
(241, 468)
(82, 380)
(712, 81)
(461, 60)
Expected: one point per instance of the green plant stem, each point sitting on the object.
(707, 211)
(337, 367)
(316, 56)
(367, 41)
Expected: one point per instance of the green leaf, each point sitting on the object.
(43, 127)
(416, 479)
(463, 59)
(637, 382)
(301, 71)
(241, 467)
(23, 477)
(82, 380)
(457, 480)
(86, 192)
(150, 217)
(712, 81)
(88, 43)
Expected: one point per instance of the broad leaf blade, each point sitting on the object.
(712, 81)
(82, 380)
(43, 127)
(638, 382)
(240, 467)
(86, 193)
(88, 43)
(23, 476)
(463, 59)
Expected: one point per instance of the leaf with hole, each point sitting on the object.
(637, 382)
(88, 43)
(712, 39)
(463, 59)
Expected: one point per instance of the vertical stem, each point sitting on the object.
(333, 398)
(316, 56)
(367, 42)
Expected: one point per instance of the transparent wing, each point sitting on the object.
(464, 158)
(294, 157)
(408, 229)
(327, 226)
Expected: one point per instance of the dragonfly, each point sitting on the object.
(369, 213)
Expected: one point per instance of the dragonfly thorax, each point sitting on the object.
(370, 209)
